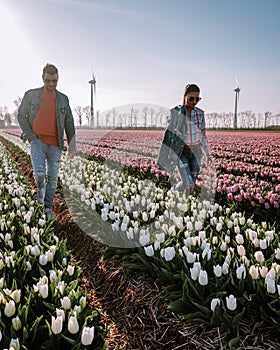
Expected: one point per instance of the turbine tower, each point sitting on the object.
(237, 90)
(92, 83)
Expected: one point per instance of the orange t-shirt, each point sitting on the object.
(45, 123)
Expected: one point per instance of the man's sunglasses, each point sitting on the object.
(50, 80)
(192, 98)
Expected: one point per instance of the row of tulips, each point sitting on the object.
(216, 264)
(42, 305)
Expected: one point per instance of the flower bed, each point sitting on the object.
(42, 305)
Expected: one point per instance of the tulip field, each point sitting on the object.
(216, 254)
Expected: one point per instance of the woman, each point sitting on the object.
(185, 140)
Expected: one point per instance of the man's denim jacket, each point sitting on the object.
(29, 107)
(173, 141)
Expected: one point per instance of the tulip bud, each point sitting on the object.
(16, 322)
(10, 308)
(87, 335)
(83, 301)
(73, 325)
(231, 302)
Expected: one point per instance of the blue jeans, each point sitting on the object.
(189, 167)
(45, 160)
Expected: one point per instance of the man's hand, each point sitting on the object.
(71, 155)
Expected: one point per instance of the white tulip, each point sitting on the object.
(241, 250)
(241, 272)
(217, 270)
(14, 344)
(277, 253)
(16, 294)
(73, 325)
(271, 286)
(225, 268)
(149, 250)
(10, 308)
(263, 271)
(198, 225)
(43, 290)
(194, 273)
(1, 264)
(43, 259)
(169, 253)
(70, 270)
(87, 335)
(28, 266)
(16, 322)
(254, 272)
(191, 257)
(57, 324)
(231, 302)
(65, 303)
(60, 312)
(214, 303)
(203, 278)
(35, 250)
(219, 227)
(259, 256)
(239, 239)
(83, 301)
(263, 243)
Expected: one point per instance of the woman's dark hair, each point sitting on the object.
(190, 88)
(50, 69)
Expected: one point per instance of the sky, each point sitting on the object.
(144, 51)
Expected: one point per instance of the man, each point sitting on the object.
(185, 141)
(43, 116)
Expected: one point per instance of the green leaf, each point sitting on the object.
(237, 318)
(178, 307)
(202, 308)
(69, 340)
(233, 342)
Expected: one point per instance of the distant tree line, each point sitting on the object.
(148, 117)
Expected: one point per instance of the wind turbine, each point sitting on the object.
(237, 90)
(92, 83)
